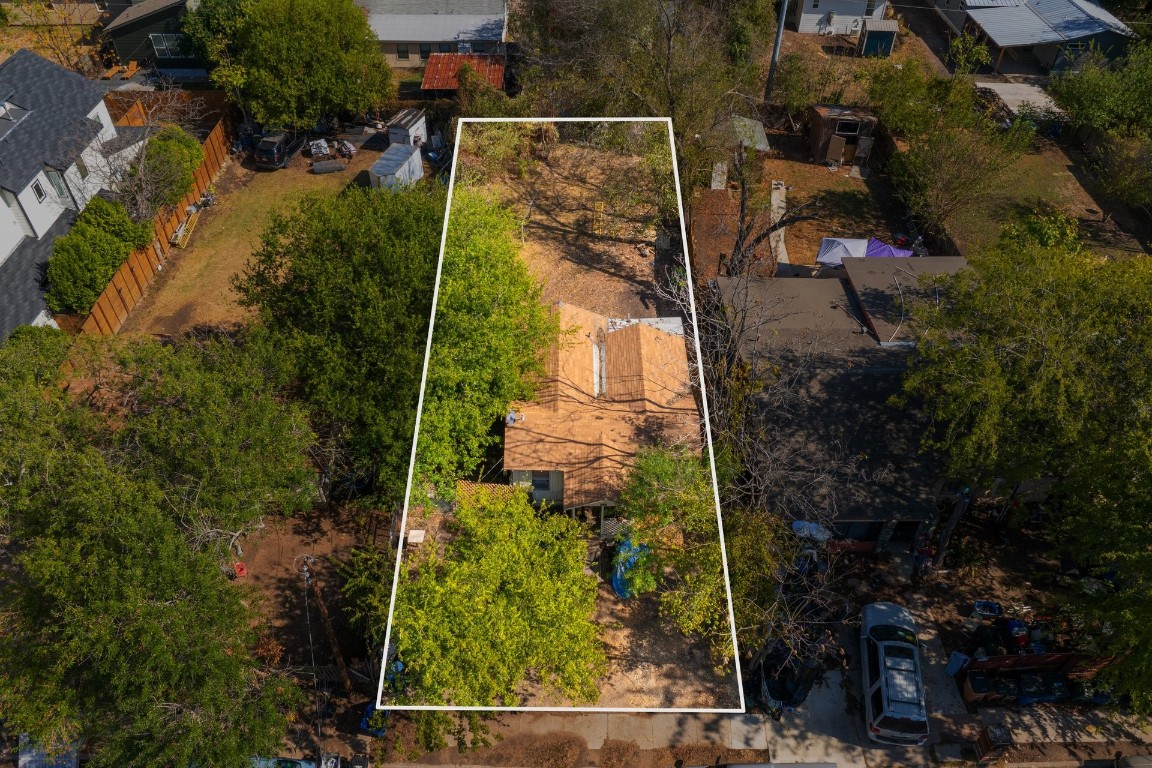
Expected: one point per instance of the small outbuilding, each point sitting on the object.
(408, 126)
(842, 135)
(749, 134)
(400, 166)
(878, 37)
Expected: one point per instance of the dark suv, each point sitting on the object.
(276, 149)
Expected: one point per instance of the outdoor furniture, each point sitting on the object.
(112, 72)
(132, 68)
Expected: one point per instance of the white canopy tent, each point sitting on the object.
(834, 249)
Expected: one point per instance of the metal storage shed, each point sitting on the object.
(878, 37)
(408, 127)
(400, 166)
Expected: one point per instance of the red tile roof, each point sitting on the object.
(443, 68)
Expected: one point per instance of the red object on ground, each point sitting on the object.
(241, 569)
(442, 69)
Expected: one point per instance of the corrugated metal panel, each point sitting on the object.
(992, 3)
(455, 7)
(1014, 27)
(443, 69)
(1075, 19)
(434, 28)
(881, 25)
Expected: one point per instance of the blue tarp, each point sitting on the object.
(626, 556)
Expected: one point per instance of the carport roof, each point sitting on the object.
(1014, 27)
(1036, 22)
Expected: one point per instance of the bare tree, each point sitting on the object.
(66, 32)
(141, 185)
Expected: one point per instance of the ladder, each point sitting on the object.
(598, 219)
(186, 231)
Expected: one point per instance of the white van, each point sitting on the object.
(894, 706)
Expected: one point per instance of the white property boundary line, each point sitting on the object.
(420, 407)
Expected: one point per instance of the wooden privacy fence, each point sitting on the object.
(126, 288)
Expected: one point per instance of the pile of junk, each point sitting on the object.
(1015, 657)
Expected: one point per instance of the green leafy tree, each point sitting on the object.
(479, 98)
(344, 290)
(205, 422)
(116, 630)
(488, 343)
(1035, 366)
(213, 28)
(1108, 96)
(167, 168)
(967, 53)
(84, 260)
(294, 61)
(670, 505)
(506, 602)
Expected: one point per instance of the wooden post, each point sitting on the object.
(331, 635)
(999, 59)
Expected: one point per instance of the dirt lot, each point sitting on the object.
(654, 667)
(195, 287)
(612, 273)
(844, 206)
(276, 558)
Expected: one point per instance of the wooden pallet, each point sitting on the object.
(187, 229)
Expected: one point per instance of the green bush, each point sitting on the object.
(85, 259)
(170, 163)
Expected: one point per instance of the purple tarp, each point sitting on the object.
(881, 248)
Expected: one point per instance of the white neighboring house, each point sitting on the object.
(836, 17)
(58, 149)
(410, 31)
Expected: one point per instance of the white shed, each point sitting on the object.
(399, 166)
(408, 127)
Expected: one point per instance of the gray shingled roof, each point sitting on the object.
(56, 127)
(139, 10)
(22, 274)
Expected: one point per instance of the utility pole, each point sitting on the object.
(776, 49)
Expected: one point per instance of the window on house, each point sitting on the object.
(445, 47)
(402, 51)
(82, 168)
(541, 481)
(168, 46)
(870, 7)
(464, 48)
(38, 190)
(58, 183)
(815, 4)
(425, 51)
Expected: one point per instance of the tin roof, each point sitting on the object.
(881, 25)
(437, 27)
(1036, 22)
(406, 118)
(611, 387)
(443, 69)
(393, 159)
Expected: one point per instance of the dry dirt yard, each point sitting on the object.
(195, 287)
(611, 273)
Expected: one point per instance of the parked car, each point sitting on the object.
(894, 704)
(276, 149)
(281, 762)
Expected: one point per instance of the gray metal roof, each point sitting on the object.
(21, 277)
(1012, 27)
(433, 7)
(437, 27)
(992, 3)
(1043, 21)
(139, 10)
(885, 288)
(881, 25)
(407, 118)
(393, 159)
(1074, 19)
(56, 128)
(750, 133)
